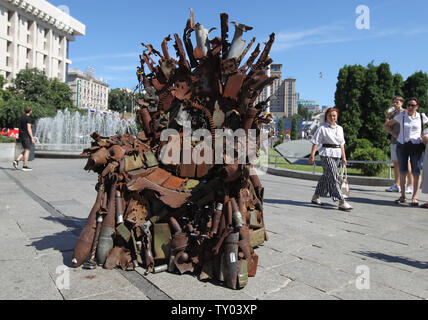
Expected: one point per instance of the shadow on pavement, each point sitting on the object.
(397, 259)
(63, 241)
(10, 169)
(390, 203)
(300, 203)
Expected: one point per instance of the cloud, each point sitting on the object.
(336, 34)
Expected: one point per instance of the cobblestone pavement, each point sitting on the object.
(377, 251)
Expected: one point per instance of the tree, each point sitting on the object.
(376, 97)
(60, 95)
(398, 84)
(281, 130)
(349, 87)
(119, 100)
(294, 134)
(4, 94)
(416, 85)
(33, 85)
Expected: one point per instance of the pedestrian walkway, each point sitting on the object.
(377, 251)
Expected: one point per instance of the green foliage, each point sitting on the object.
(363, 144)
(376, 98)
(6, 139)
(349, 87)
(365, 151)
(398, 84)
(119, 100)
(60, 95)
(2, 81)
(362, 96)
(281, 130)
(4, 94)
(32, 87)
(416, 85)
(13, 109)
(294, 135)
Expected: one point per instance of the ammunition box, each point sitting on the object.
(123, 231)
(257, 237)
(151, 160)
(133, 163)
(162, 240)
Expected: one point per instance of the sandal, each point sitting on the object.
(400, 200)
(414, 203)
(345, 206)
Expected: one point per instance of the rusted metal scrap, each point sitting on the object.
(199, 217)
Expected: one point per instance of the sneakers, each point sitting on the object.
(26, 169)
(316, 201)
(393, 188)
(15, 164)
(409, 189)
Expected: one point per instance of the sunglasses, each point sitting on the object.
(411, 105)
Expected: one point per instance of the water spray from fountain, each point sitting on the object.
(71, 131)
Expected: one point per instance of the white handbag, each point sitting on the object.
(343, 178)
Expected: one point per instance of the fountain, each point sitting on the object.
(71, 131)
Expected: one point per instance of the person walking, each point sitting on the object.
(330, 136)
(26, 138)
(390, 114)
(409, 145)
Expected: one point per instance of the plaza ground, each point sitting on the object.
(313, 252)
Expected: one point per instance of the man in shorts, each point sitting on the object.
(26, 138)
(390, 114)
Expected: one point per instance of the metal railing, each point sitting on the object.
(315, 162)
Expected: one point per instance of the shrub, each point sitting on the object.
(6, 139)
(370, 154)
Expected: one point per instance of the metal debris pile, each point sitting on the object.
(197, 217)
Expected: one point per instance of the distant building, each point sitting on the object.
(323, 108)
(311, 105)
(35, 34)
(283, 92)
(88, 91)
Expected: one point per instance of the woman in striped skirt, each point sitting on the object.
(330, 135)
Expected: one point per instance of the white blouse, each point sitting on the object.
(412, 127)
(326, 134)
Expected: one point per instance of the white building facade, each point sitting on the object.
(35, 34)
(88, 91)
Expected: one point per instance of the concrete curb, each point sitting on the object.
(353, 180)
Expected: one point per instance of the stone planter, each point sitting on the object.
(7, 151)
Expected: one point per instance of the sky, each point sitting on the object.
(313, 39)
